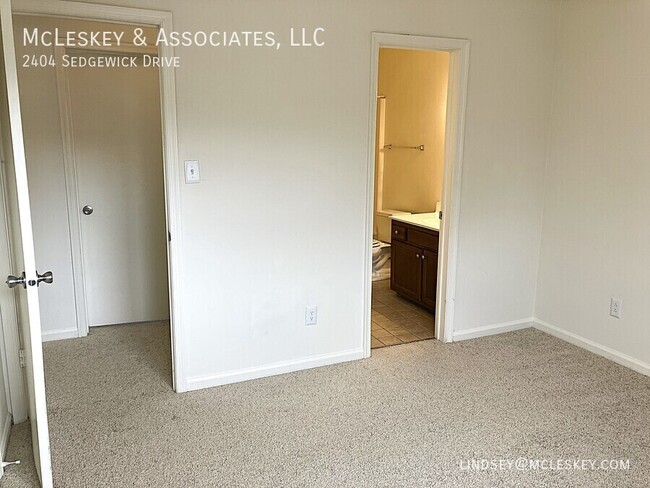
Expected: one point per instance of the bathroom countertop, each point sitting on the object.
(426, 220)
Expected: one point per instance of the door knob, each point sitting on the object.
(46, 277)
(87, 210)
(15, 281)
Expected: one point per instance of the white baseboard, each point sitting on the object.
(273, 369)
(488, 330)
(55, 335)
(5, 430)
(607, 352)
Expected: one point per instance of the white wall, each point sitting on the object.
(595, 236)
(277, 222)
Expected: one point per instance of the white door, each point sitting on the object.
(23, 249)
(118, 154)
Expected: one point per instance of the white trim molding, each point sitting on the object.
(488, 330)
(172, 169)
(591, 346)
(273, 369)
(56, 335)
(458, 50)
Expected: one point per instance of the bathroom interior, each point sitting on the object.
(409, 168)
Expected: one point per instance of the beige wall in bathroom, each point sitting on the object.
(415, 86)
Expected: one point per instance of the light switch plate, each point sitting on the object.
(192, 172)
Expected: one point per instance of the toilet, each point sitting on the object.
(381, 245)
(380, 260)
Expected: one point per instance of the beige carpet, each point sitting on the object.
(409, 416)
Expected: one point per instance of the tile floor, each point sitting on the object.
(396, 320)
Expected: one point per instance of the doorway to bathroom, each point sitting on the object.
(419, 86)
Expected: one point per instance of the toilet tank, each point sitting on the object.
(383, 223)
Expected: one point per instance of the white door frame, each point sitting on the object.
(171, 168)
(458, 50)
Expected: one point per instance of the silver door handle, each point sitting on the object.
(15, 281)
(46, 277)
(87, 209)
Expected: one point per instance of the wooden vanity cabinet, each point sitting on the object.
(414, 263)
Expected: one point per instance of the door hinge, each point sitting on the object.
(169, 236)
(21, 358)
(440, 215)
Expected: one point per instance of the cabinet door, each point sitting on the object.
(429, 279)
(406, 270)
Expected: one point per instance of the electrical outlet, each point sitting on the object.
(311, 315)
(616, 307)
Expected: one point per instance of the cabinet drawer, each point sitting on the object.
(398, 232)
(423, 239)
